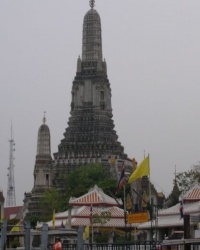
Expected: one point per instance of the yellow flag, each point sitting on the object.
(86, 233)
(141, 170)
(53, 219)
(16, 228)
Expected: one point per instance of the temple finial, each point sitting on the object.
(175, 173)
(92, 3)
(44, 118)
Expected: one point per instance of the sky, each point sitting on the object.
(152, 50)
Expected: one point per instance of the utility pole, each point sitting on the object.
(10, 199)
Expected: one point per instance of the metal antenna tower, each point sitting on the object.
(10, 200)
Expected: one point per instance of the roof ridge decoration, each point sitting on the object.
(95, 188)
(92, 3)
(94, 196)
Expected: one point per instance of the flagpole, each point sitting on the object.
(121, 183)
(92, 231)
(125, 211)
(124, 199)
(116, 169)
(149, 182)
(151, 210)
(91, 211)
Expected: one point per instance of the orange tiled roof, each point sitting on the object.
(193, 194)
(81, 216)
(11, 212)
(95, 196)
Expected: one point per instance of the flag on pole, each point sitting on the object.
(53, 219)
(122, 179)
(141, 170)
(181, 209)
(16, 228)
(91, 208)
(86, 233)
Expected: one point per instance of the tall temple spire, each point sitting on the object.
(42, 171)
(43, 157)
(44, 141)
(92, 41)
(90, 136)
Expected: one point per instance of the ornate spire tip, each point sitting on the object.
(44, 118)
(92, 3)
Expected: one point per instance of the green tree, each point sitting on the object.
(185, 180)
(102, 218)
(33, 219)
(102, 237)
(77, 183)
(54, 199)
(85, 177)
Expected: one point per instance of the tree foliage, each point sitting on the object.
(53, 199)
(33, 219)
(102, 237)
(185, 180)
(102, 218)
(77, 183)
(85, 177)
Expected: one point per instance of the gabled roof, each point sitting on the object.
(188, 208)
(81, 216)
(11, 212)
(193, 194)
(163, 222)
(95, 197)
(170, 217)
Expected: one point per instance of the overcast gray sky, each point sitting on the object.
(152, 49)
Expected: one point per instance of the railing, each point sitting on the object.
(146, 245)
(143, 246)
(129, 246)
(64, 247)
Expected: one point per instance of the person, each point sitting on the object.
(57, 245)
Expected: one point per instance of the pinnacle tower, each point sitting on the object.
(90, 136)
(44, 141)
(43, 157)
(42, 170)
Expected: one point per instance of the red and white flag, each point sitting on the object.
(122, 179)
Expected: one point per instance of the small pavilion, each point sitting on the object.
(91, 206)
